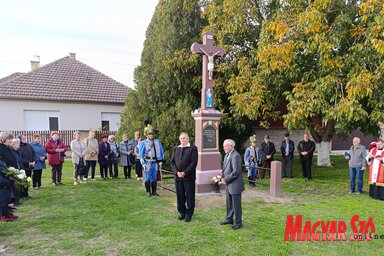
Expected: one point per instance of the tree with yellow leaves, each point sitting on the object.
(325, 59)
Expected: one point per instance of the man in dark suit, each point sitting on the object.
(183, 163)
(287, 148)
(267, 152)
(232, 177)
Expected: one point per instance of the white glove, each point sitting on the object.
(145, 167)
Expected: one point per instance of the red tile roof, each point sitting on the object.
(10, 77)
(65, 79)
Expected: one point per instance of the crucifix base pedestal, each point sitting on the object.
(207, 141)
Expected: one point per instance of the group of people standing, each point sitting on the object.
(108, 153)
(258, 160)
(15, 152)
(359, 160)
(31, 157)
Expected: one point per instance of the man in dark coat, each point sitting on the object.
(267, 152)
(306, 149)
(183, 163)
(232, 177)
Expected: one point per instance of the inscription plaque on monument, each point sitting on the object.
(209, 137)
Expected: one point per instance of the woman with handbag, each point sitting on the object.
(78, 152)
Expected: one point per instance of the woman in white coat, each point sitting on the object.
(78, 152)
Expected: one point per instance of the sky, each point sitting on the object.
(107, 35)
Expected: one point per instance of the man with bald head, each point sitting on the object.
(357, 165)
(233, 178)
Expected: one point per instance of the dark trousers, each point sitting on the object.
(234, 207)
(36, 178)
(115, 172)
(56, 173)
(138, 169)
(90, 164)
(185, 193)
(103, 171)
(265, 164)
(306, 166)
(287, 161)
(28, 173)
(24, 191)
(127, 171)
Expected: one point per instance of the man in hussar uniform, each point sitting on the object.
(252, 160)
(375, 161)
(151, 156)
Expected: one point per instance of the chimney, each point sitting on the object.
(35, 65)
(72, 55)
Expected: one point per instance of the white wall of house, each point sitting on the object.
(34, 115)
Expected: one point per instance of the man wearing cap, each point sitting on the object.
(287, 148)
(267, 151)
(56, 153)
(151, 153)
(252, 160)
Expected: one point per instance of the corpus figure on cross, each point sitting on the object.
(210, 62)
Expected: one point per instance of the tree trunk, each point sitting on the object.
(323, 157)
(323, 136)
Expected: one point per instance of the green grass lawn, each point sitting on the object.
(114, 217)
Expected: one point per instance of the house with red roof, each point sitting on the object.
(63, 95)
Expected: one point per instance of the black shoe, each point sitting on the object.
(285, 176)
(226, 222)
(154, 188)
(188, 219)
(181, 217)
(236, 226)
(310, 179)
(290, 177)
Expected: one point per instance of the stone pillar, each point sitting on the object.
(275, 183)
(207, 142)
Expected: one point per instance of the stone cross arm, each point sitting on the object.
(207, 50)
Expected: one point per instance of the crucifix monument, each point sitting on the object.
(207, 119)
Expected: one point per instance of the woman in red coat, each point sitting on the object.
(55, 149)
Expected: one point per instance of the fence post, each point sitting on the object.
(275, 182)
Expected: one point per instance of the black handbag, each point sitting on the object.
(81, 169)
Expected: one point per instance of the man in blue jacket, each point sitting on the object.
(151, 156)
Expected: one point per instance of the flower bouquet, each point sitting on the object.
(18, 176)
(216, 182)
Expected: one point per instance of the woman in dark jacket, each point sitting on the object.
(27, 157)
(7, 159)
(6, 154)
(103, 157)
(6, 186)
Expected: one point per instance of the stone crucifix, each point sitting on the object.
(209, 52)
